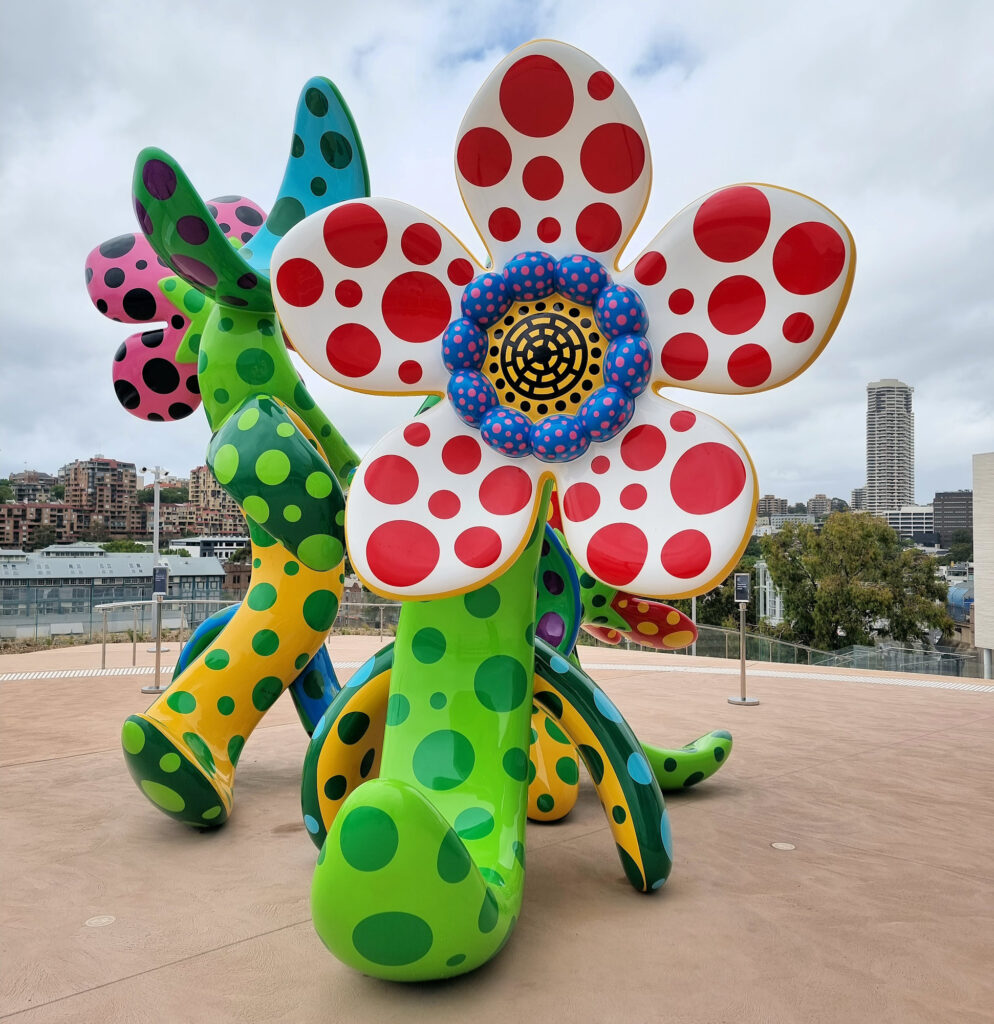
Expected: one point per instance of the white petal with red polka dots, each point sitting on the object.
(432, 510)
(743, 288)
(663, 508)
(365, 290)
(552, 156)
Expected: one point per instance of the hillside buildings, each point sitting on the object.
(99, 499)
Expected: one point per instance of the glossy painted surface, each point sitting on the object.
(272, 450)
(545, 360)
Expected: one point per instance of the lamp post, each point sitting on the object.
(157, 473)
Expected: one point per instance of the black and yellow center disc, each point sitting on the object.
(545, 356)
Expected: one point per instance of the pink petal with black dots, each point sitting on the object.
(122, 277)
(552, 155)
(366, 290)
(667, 509)
(148, 381)
(432, 510)
(743, 288)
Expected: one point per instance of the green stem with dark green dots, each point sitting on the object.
(422, 873)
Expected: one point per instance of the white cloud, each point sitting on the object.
(881, 111)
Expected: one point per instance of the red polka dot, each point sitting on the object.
(401, 553)
(650, 268)
(483, 157)
(633, 496)
(616, 554)
(355, 234)
(681, 301)
(416, 306)
(548, 229)
(684, 356)
(682, 421)
(542, 177)
(686, 554)
(612, 157)
(737, 304)
(505, 491)
(504, 224)
(421, 244)
(353, 350)
(391, 479)
(555, 518)
(478, 547)
(601, 464)
(536, 96)
(460, 272)
(299, 282)
(598, 227)
(600, 85)
(706, 478)
(580, 502)
(798, 327)
(348, 293)
(410, 372)
(444, 504)
(416, 434)
(643, 447)
(808, 258)
(733, 223)
(749, 366)
(461, 454)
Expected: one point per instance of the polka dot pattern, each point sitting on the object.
(743, 288)
(461, 510)
(668, 514)
(552, 154)
(392, 280)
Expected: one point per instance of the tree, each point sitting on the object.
(41, 538)
(6, 491)
(240, 555)
(167, 495)
(58, 491)
(798, 506)
(960, 547)
(126, 546)
(853, 582)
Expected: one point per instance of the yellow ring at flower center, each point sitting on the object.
(545, 356)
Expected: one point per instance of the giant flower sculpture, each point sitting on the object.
(549, 359)
(550, 363)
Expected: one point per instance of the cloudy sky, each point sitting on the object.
(881, 111)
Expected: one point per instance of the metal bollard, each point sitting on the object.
(134, 636)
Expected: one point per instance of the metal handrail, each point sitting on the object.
(158, 601)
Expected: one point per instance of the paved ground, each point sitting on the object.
(883, 912)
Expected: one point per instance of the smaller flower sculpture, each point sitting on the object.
(550, 362)
(198, 274)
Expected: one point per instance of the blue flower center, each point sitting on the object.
(547, 357)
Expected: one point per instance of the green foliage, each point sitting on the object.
(717, 607)
(58, 491)
(41, 538)
(853, 582)
(125, 546)
(6, 490)
(240, 555)
(167, 495)
(960, 547)
(798, 506)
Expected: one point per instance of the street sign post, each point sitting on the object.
(741, 587)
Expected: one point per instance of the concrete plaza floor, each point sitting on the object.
(883, 911)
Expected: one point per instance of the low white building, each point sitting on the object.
(769, 600)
